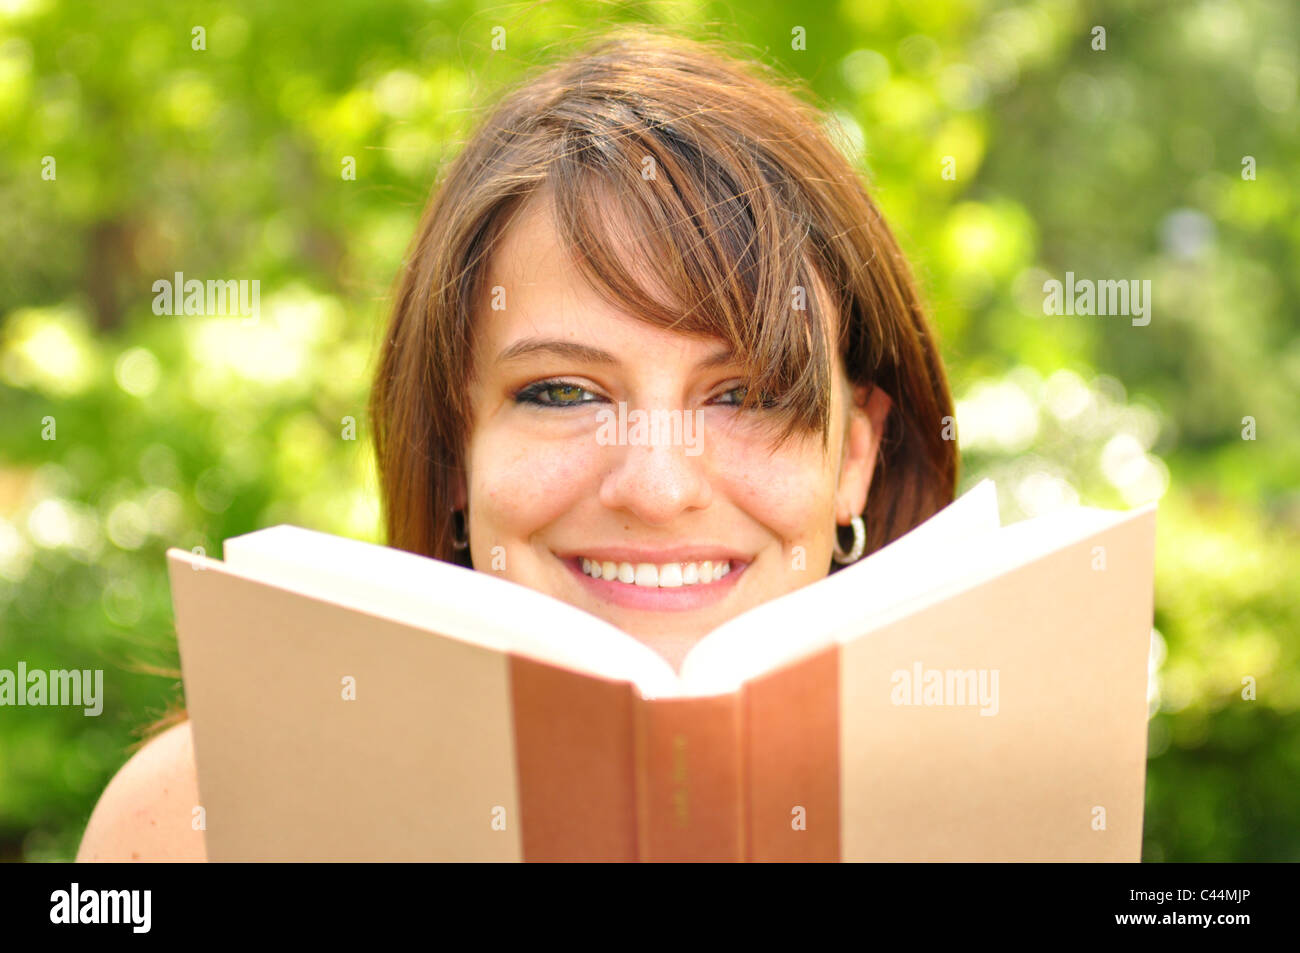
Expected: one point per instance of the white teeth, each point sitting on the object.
(650, 575)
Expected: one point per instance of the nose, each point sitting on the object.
(656, 482)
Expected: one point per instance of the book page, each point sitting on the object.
(464, 604)
(975, 561)
(798, 623)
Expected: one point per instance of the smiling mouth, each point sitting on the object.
(656, 575)
(657, 586)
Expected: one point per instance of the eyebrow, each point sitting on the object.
(526, 347)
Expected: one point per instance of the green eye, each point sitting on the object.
(765, 403)
(564, 393)
(554, 394)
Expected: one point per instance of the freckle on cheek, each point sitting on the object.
(783, 497)
(532, 484)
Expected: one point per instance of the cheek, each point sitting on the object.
(518, 486)
(790, 490)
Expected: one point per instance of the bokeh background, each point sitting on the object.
(228, 162)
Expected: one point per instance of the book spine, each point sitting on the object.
(690, 778)
(792, 729)
(575, 763)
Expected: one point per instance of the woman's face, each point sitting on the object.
(553, 479)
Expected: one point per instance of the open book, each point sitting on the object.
(969, 692)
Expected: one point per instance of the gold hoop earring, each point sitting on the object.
(859, 543)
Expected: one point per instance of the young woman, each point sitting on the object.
(650, 226)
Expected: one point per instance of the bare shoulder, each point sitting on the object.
(146, 812)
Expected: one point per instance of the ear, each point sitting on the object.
(460, 498)
(866, 426)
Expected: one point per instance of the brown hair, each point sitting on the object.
(721, 181)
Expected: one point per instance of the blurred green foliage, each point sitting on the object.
(227, 162)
